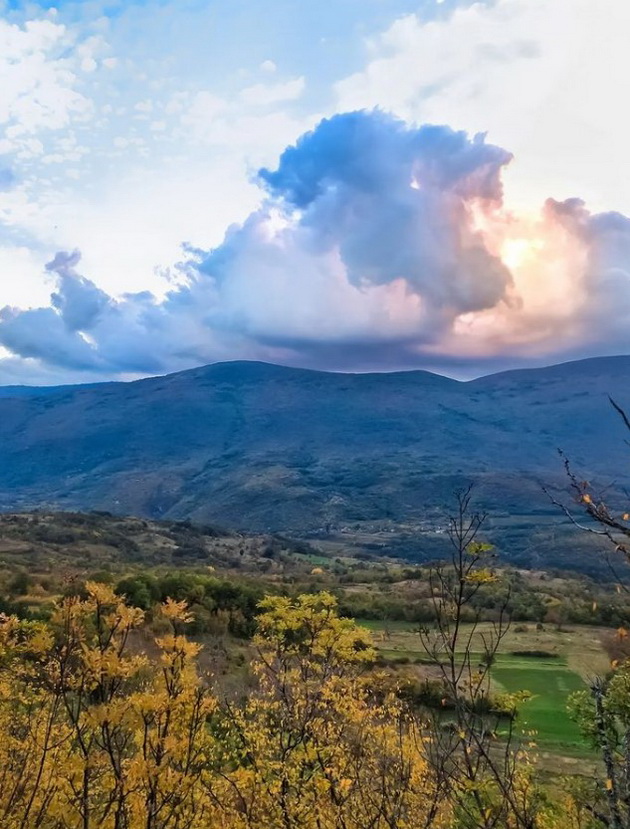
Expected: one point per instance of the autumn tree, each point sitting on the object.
(96, 734)
(479, 761)
(322, 746)
(106, 726)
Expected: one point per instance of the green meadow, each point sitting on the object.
(574, 654)
(550, 683)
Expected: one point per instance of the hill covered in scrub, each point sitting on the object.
(82, 543)
(45, 555)
(264, 448)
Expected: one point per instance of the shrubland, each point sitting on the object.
(223, 575)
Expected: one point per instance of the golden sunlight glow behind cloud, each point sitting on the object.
(548, 265)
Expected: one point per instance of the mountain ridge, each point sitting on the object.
(261, 447)
(20, 390)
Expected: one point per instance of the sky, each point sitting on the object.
(337, 184)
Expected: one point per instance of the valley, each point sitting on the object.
(563, 629)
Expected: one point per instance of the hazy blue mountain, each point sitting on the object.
(261, 447)
(42, 391)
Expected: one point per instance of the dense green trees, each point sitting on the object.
(214, 603)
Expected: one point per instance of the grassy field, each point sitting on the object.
(576, 654)
(550, 682)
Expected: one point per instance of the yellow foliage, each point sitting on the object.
(481, 576)
(103, 728)
(97, 733)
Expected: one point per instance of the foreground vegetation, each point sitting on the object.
(107, 726)
(164, 675)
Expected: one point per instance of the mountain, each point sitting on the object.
(42, 391)
(265, 448)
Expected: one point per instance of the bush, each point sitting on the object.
(20, 584)
(537, 654)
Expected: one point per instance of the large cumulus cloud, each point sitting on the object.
(393, 202)
(377, 244)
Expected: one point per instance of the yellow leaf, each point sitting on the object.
(176, 611)
(609, 784)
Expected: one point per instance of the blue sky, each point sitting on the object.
(130, 130)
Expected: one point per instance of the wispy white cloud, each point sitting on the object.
(124, 154)
(41, 68)
(265, 94)
(542, 77)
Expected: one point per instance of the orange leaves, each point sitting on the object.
(176, 648)
(313, 741)
(101, 594)
(309, 627)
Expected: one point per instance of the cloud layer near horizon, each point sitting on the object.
(377, 245)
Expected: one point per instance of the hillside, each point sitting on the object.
(265, 448)
(66, 543)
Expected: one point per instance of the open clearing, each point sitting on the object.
(550, 683)
(575, 654)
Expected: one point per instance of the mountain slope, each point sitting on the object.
(262, 447)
